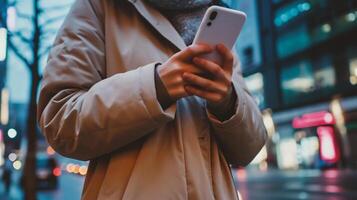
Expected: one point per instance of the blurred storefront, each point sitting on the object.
(307, 71)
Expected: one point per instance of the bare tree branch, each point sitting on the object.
(48, 33)
(23, 30)
(20, 55)
(44, 51)
(24, 16)
(57, 7)
(22, 38)
(52, 20)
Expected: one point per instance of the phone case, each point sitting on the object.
(224, 29)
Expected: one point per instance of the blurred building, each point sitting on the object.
(306, 71)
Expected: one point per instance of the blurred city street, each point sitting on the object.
(251, 184)
(70, 186)
(298, 59)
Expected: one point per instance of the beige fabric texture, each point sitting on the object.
(98, 102)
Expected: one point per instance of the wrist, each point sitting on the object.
(226, 108)
(161, 91)
(225, 101)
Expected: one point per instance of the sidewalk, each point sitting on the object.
(295, 185)
(70, 187)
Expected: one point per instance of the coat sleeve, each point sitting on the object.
(82, 113)
(243, 135)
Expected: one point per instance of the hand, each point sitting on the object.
(172, 70)
(218, 87)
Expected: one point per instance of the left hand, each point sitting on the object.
(218, 87)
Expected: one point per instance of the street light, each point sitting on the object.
(3, 43)
(12, 133)
(4, 107)
(17, 165)
(351, 17)
(11, 18)
(326, 28)
(12, 157)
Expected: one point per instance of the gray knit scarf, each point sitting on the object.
(184, 15)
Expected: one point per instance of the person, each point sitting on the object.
(125, 88)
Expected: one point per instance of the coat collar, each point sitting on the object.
(160, 23)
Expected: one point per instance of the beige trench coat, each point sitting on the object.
(98, 102)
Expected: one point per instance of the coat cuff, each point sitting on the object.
(235, 120)
(149, 96)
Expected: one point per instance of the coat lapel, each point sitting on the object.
(160, 23)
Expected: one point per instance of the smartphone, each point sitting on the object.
(219, 26)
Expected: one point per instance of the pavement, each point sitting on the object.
(70, 187)
(252, 185)
(297, 185)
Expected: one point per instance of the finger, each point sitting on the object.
(210, 96)
(210, 66)
(191, 68)
(228, 58)
(203, 83)
(194, 50)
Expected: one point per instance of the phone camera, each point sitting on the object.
(209, 23)
(213, 15)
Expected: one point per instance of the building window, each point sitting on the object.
(255, 85)
(293, 41)
(301, 24)
(290, 12)
(248, 44)
(307, 80)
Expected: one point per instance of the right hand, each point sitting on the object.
(172, 70)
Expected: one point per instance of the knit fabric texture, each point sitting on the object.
(184, 15)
